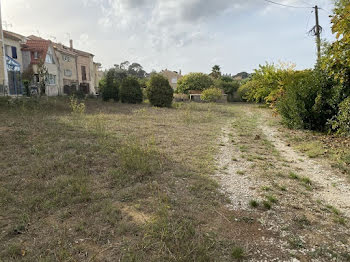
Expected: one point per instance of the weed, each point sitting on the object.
(253, 203)
(76, 107)
(296, 242)
(333, 209)
(266, 188)
(237, 253)
(267, 205)
(271, 199)
(240, 172)
(292, 175)
(306, 181)
(302, 221)
(340, 220)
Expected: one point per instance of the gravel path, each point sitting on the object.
(331, 187)
(232, 172)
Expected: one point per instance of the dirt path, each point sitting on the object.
(232, 172)
(304, 202)
(331, 188)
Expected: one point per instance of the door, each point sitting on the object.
(15, 83)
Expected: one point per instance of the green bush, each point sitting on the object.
(159, 91)
(109, 87)
(26, 84)
(211, 95)
(230, 87)
(130, 91)
(309, 100)
(341, 123)
(194, 81)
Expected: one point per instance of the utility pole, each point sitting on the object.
(318, 34)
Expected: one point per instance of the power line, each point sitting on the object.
(291, 6)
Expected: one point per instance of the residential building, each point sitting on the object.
(12, 46)
(67, 63)
(86, 71)
(172, 76)
(3, 78)
(36, 52)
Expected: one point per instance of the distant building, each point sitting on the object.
(172, 76)
(13, 53)
(36, 51)
(86, 71)
(68, 70)
(3, 78)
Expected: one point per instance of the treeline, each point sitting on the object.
(316, 99)
(129, 83)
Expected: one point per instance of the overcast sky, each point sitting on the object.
(191, 35)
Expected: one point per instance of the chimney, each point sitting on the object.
(180, 72)
(71, 44)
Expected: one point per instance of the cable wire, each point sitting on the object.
(291, 6)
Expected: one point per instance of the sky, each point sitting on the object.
(187, 35)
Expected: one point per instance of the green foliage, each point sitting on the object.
(337, 59)
(308, 101)
(229, 86)
(267, 83)
(26, 84)
(76, 107)
(130, 91)
(216, 72)
(194, 81)
(109, 87)
(211, 95)
(341, 123)
(159, 91)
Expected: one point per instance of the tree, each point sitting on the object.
(159, 91)
(336, 58)
(136, 70)
(216, 72)
(43, 73)
(194, 81)
(130, 91)
(109, 86)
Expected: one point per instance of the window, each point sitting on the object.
(51, 79)
(174, 80)
(83, 73)
(14, 52)
(49, 57)
(66, 58)
(36, 56)
(67, 72)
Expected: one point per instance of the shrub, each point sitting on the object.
(230, 88)
(130, 91)
(78, 93)
(76, 107)
(26, 84)
(211, 95)
(244, 90)
(341, 123)
(194, 81)
(309, 100)
(159, 91)
(109, 87)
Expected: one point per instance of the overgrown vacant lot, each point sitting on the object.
(198, 182)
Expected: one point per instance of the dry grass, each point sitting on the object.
(117, 183)
(133, 183)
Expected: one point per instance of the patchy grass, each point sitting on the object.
(112, 182)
